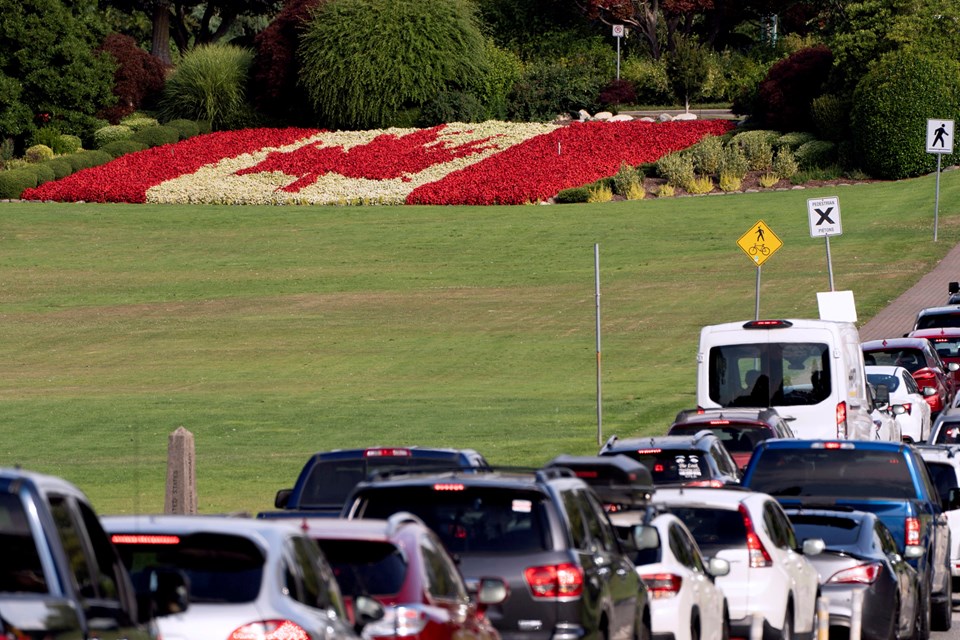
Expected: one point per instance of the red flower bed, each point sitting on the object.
(127, 178)
(568, 157)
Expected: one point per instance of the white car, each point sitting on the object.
(914, 414)
(685, 604)
(769, 574)
(943, 462)
(248, 578)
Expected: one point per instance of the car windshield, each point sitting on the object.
(892, 382)
(331, 481)
(840, 473)
(736, 437)
(468, 519)
(938, 320)
(837, 532)
(944, 478)
(713, 529)
(909, 358)
(222, 569)
(20, 568)
(366, 567)
(769, 374)
(670, 466)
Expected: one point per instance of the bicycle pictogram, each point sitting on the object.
(761, 248)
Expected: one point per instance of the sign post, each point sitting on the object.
(824, 215)
(618, 32)
(759, 243)
(939, 141)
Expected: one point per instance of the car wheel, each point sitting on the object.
(694, 628)
(924, 614)
(895, 622)
(942, 615)
(725, 633)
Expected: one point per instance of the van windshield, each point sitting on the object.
(773, 374)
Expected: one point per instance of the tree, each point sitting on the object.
(49, 70)
(365, 61)
(192, 22)
(645, 16)
(687, 68)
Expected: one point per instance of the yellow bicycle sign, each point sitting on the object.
(759, 243)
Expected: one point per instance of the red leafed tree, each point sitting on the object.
(139, 77)
(645, 15)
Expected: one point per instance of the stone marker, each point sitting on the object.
(181, 495)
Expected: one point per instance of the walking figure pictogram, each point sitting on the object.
(759, 234)
(938, 134)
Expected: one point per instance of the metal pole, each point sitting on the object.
(757, 306)
(856, 615)
(618, 58)
(936, 201)
(829, 262)
(596, 270)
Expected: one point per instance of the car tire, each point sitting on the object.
(725, 632)
(941, 616)
(924, 615)
(787, 632)
(694, 628)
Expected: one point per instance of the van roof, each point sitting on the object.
(778, 324)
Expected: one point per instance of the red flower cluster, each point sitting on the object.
(127, 178)
(386, 157)
(568, 157)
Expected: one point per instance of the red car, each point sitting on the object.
(946, 341)
(739, 430)
(402, 564)
(918, 356)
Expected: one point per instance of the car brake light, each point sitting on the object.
(662, 585)
(386, 453)
(719, 422)
(120, 538)
(448, 486)
(648, 451)
(768, 324)
(704, 483)
(907, 407)
(832, 444)
(862, 574)
(912, 527)
(842, 420)
(555, 581)
(270, 630)
(758, 554)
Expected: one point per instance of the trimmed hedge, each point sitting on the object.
(156, 135)
(122, 147)
(15, 182)
(186, 128)
(60, 167)
(111, 133)
(816, 153)
(87, 159)
(574, 195)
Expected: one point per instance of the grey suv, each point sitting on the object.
(697, 460)
(544, 532)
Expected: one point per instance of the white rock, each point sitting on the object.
(664, 117)
(621, 117)
(647, 119)
(603, 115)
(584, 115)
(685, 116)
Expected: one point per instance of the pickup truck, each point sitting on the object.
(61, 577)
(887, 478)
(328, 477)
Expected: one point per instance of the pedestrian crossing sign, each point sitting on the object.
(939, 136)
(759, 243)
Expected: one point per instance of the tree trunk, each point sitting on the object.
(160, 44)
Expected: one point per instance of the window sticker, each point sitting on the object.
(522, 506)
(688, 466)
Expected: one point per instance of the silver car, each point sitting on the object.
(247, 578)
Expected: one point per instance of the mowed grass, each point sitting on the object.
(273, 332)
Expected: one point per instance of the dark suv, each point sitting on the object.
(698, 460)
(739, 430)
(544, 532)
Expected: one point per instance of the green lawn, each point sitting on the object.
(274, 332)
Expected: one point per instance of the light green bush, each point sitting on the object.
(733, 163)
(677, 168)
(626, 178)
(793, 140)
(111, 133)
(67, 143)
(649, 78)
(136, 122)
(707, 154)
(60, 167)
(38, 153)
(785, 163)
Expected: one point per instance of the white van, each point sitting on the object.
(810, 371)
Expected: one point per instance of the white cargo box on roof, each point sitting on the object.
(810, 371)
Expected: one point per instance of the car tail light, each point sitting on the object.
(841, 419)
(386, 453)
(120, 538)
(768, 324)
(719, 422)
(758, 554)
(555, 581)
(448, 486)
(715, 484)
(862, 574)
(662, 585)
(907, 407)
(397, 622)
(912, 527)
(925, 378)
(645, 452)
(270, 630)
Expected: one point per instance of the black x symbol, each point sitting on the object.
(824, 216)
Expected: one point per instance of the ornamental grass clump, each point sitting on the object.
(600, 193)
(768, 179)
(700, 185)
(208, 84)
(666, 191)
(635, 192)
(729, 182)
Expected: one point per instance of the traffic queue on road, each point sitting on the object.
(813, 490)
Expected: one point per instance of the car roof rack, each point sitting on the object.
(615, 479)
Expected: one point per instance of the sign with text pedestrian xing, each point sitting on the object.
(939, 136)
(759, 243)
(824, 214)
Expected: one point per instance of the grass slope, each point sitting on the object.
(272, 333)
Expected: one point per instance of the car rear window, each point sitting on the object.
(737, 437)
(672, 466)
(948, 433)
(834, 531)
(20, 568)
(910, 359)
(938, 320)
(851, 473)
(366, 567)
(947, 347)
(944, 478)
(222, 569)
(468, 519)
(713, 529)
(769, 374)
(892, 382)
(331, 481)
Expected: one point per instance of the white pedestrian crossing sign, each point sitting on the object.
(824, 214)
(939, 136)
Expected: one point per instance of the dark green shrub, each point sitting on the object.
(651, 85)
(60, 167)
(208, 84)
(505, 70)
(831, 117)
(186, 128)
(15, 182)
(891, 105)
(793, 140)
(816, 153)
(44, 172)
(204, 126)
(156, 136)
(687, 69)
(87, 159)
(119, 148)
(452, 106)
(572, 196)
(46, 136)
(355, 85)
(548, 89)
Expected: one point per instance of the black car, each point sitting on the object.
(739, 430)
(861, 557)
(698, 460)
(544, 532)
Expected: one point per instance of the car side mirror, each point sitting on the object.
(929, 391)
(912, 551)
(365, 611)
(813, 546)
(645, 537)
(953, 366)
(160, 591)
(881, 396)
(953, 499)
(283, 498)
(492, 591)
(718, 567)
